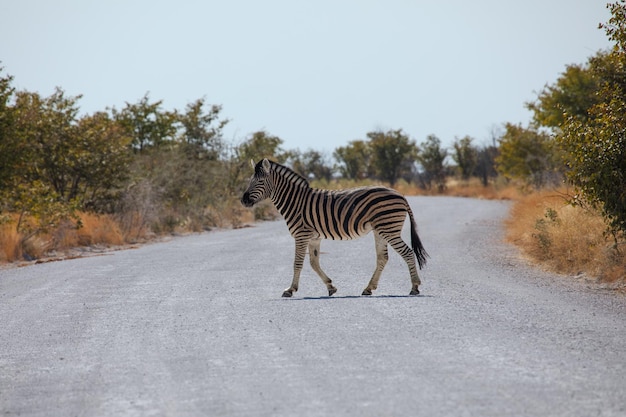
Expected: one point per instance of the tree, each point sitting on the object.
(595, 149)
(393, 154)
(46, 128)
(529, 155)
(311, 164)
(573, 94)
(432, 156)
(82, 160)
(261, 145)
(466, 156)
(147, 124)
(354, 160)
(486, 163)
(10, 151)
(202, 131)
(100, 161)
(257, 146)
(28, 126)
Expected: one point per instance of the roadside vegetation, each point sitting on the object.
(566, 238)
(128, 175)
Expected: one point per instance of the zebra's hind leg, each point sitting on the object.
(314, 257)
(382, 256)
(408, 255)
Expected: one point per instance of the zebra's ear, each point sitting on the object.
(252, 163)
(266, 166)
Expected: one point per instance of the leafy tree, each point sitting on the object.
(257, 146)
(47, 129)
(393, 154)
(100, 161)
(79, 158)
(354, 160)
(573, 94)
(147, 124)
(486, 163)
(432, 157)
(202, 130)
(41, 138)
(596, 148)
(10, 151)
(261, 145)
(311, 164)
(466, 156)
(529, 155)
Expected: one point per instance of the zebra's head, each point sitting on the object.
(260, 187)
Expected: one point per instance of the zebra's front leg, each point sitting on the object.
(314, 257)
(298, 262)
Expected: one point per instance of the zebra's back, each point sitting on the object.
(351, 213)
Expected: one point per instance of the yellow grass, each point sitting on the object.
(95, 230)
(472, 188)
(563, 238)
(98, 230)
(10, 248)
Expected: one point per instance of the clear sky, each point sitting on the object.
(315, 73)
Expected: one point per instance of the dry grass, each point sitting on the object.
(500, 190)
(473, 188)
(230, 213)
(565, 239)
(10, 248)
(100, 230)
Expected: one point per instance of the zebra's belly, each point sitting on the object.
(345, 234)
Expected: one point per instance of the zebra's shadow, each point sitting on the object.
(355, 297)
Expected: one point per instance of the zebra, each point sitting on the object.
(314, 214)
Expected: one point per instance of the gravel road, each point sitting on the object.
(197, 327)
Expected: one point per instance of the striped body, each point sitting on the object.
(349, 214)
(314, 214)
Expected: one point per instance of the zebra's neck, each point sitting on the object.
(290, 191)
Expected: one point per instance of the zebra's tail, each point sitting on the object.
(416, 243)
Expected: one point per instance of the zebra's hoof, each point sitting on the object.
(331, 291)
(287, 293)
(414, 291)
(366, 291)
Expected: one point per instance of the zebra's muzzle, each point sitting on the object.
(246, 201)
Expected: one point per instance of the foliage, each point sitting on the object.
(354, 160)
(432, 157)
(466, 156)
(202, 132)
(573, 94)
(595, 147)
(147, 124)
(311, 164)
(529, 155)
(261, 145)
(393, 154)
(486, 163)
(81, 159)
(596, 156)
(9, 151)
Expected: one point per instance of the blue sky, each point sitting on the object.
(315, 73)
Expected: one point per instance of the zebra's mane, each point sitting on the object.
(286, 172)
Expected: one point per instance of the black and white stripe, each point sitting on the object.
(313, 214)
